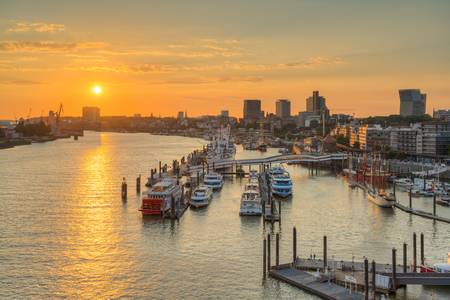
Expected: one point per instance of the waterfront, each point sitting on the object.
(65, 232)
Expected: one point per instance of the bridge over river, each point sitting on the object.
(283, 158)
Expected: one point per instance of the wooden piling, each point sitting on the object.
(268, 252)
(124, 189)
(405, 257)
(138, 184)
(394, 187)
(374, 281)
(414, 252)
(434, 204)
(410, 198)
(159, 169)
(172, 207)
(394, 270)
(366, 279)
(279, 211)
(422, 250)
(264, 259)
(324, 252)
(294, 245)
(277, 250)
(198, 178)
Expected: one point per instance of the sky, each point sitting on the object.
(203, 56)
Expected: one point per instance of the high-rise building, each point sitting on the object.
(316, 103)
(283, 108)
(91, 114)
(224, 113)
(180, 115)
(412, 102)
(252, 109)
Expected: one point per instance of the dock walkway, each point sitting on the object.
(312, 284)
(420, 213)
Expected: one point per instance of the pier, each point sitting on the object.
(338, 279)
(270, 211)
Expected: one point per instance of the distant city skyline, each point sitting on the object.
(159, 58)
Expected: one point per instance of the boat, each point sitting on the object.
(276, 170)
(250, 204)
(213, 180)
(201, 196)
(380, 199)
(283, 151)
(262, 147)
(403, 183)
(159, 198)
(252, 186)
(281, 185)
(253, 174)
(443, 200)
(222, 147)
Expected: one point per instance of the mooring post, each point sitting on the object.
(172, 207)
(294, 245)
(410, 198)
(405, 257)
(366, 279)
(434, 204)
(198, 178)
(268, 252)
(414, 252)
(279, 211)
(394, 187)
(324, 252)
(124, 189)
(159, 169)
(374, 281)
(277, 250)
(394, 271)
(138, 184)
(214, 166)
(422, 250)
(264, 259)
(203, 169)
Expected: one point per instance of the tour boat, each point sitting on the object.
(158, 199)
(222, 147)
(213, 180)
(281, 185)
(250, 204)
(276, 170)
(253, 174)
(252, 186)
(380, 199)
(201, 196)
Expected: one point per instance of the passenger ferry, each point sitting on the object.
(201, 196)
(222, 147)
(250, 204)
(213, 180)
(280, 181)
(158, 199)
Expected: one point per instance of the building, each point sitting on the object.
(412, 102)
(180, 115)
(442, 115)
(252, 110)
(91, 116)
(373, 137)
(316, 104)
(224, 114)
(406, 139)
(283, 108)
(305, 118)
(436, 138)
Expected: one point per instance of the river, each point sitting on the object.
(65, 233)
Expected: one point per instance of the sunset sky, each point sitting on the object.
(202, 56)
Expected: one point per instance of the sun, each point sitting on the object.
(96, 89)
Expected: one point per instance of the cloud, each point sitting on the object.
(48, 47)
(36, 27)
(19, 82)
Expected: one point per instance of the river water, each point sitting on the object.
(65, 233)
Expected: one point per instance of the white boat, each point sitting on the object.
(380, 199)
(443, 267)
(213, 180)
(252, 186)
(250, 204)
(403, 183)
(253, 174)
(201, 196)
(281, 185)
(222, 147)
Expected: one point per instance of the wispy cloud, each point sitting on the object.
(52, 47)
(19, 82)
(36, 27)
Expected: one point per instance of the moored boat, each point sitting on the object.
(380, 199)
(250, 204)
(213, 180)
(159, 199)
(201, 196)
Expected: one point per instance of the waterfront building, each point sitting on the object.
(252, 110)
(354, 135)
(406, 139)
(436, 138)
(373, 137)
(91, 117)
(412, 102)
(442, 115)
(283, 108)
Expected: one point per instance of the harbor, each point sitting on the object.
(103, 230)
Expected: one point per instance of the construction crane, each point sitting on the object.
(58, 119)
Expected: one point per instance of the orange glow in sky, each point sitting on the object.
(206, 56)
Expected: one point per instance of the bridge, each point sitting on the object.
(283, 158)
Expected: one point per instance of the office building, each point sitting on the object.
(412, 102)
(316, 103)
(283, 108)
(442, 114)
(252, 110)
(224, 114)
(91, 115)
(180, 115)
